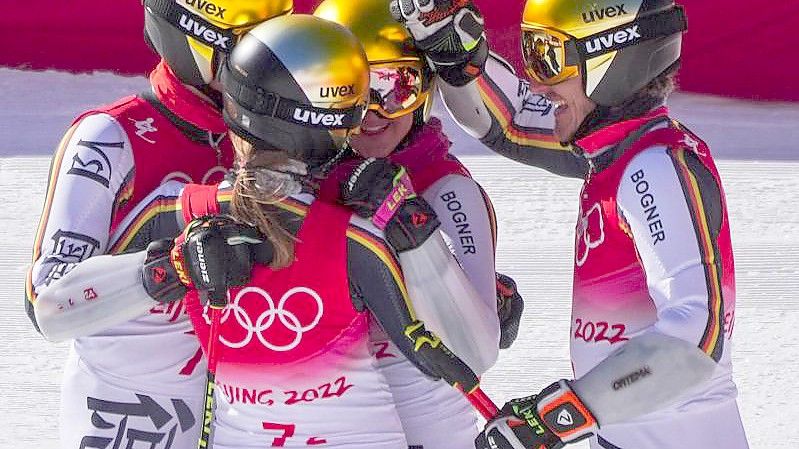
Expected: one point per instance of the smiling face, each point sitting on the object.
(380, 136)
(572, 106)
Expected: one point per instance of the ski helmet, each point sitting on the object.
(618, 46)
(297, 84)
(191, 35)
(401, 81)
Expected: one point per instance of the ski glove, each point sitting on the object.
(438, 360)
(510, 306)
(215, 253)
(160, 279)
(548, 420)
(382, 191)
(450, 33)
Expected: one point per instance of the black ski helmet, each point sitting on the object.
(192, 34)
(297, 84)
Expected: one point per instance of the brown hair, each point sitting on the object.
(253, 205)
(652, 95)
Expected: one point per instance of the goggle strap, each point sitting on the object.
(262, 102)
(193, 24)
(629, 34)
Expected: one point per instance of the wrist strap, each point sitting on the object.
(565, 414)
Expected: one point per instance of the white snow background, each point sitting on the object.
(755, 144)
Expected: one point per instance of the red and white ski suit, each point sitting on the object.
(142, 380)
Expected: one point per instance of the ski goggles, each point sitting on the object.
(397, 89)
(552, 56)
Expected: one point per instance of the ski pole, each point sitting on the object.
(482, 403)
(216, 302)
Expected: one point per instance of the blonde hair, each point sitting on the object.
(252, 205)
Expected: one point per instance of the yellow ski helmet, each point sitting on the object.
(191, 34)
(401, 81)
(618, 46)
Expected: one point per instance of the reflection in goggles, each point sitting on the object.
(544, 54)
(395, 91)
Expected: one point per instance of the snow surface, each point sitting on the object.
(536, 212)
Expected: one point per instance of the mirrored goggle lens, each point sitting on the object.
(544, 54)
(395, 90)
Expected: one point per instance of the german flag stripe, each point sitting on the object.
(502, 112)
(492, 216)
(712, 342)
(55, 167)
(362, 237)
(292, 205)
(160, 206)
(379, 248)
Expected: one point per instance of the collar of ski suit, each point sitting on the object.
(184, 102)
(426, 145)
(608, 137)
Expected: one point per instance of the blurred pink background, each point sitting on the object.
(733, 48)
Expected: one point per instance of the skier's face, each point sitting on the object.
(380, 136)
(571, 106)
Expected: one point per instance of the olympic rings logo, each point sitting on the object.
(268, 318)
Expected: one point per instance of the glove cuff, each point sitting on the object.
(565, 414)
(160, 279)
(411, 225)
(461, 74)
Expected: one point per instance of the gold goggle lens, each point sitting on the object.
(544, 54)
(396, 90)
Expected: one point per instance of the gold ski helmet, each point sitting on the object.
(401, 81)
(297, 84)
(191, 35)
(618, 46)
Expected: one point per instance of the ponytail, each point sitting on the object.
(252, 205)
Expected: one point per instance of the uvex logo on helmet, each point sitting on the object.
(208, 7)
(336, 91)
(203, 32)
(612, 39)
(318, 118)
(604, 13)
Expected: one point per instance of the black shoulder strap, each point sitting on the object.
(191, 131)
(603, 161)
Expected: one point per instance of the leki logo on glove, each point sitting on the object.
(565, 418)
(277, 327)
(590, 233)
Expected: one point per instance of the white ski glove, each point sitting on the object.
(451, 33)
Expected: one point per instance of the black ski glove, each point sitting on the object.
(549, 420)
(382, 191)
(159, 277)
(215, 253)
(510, 306)
(438, 360)
(451, 33)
